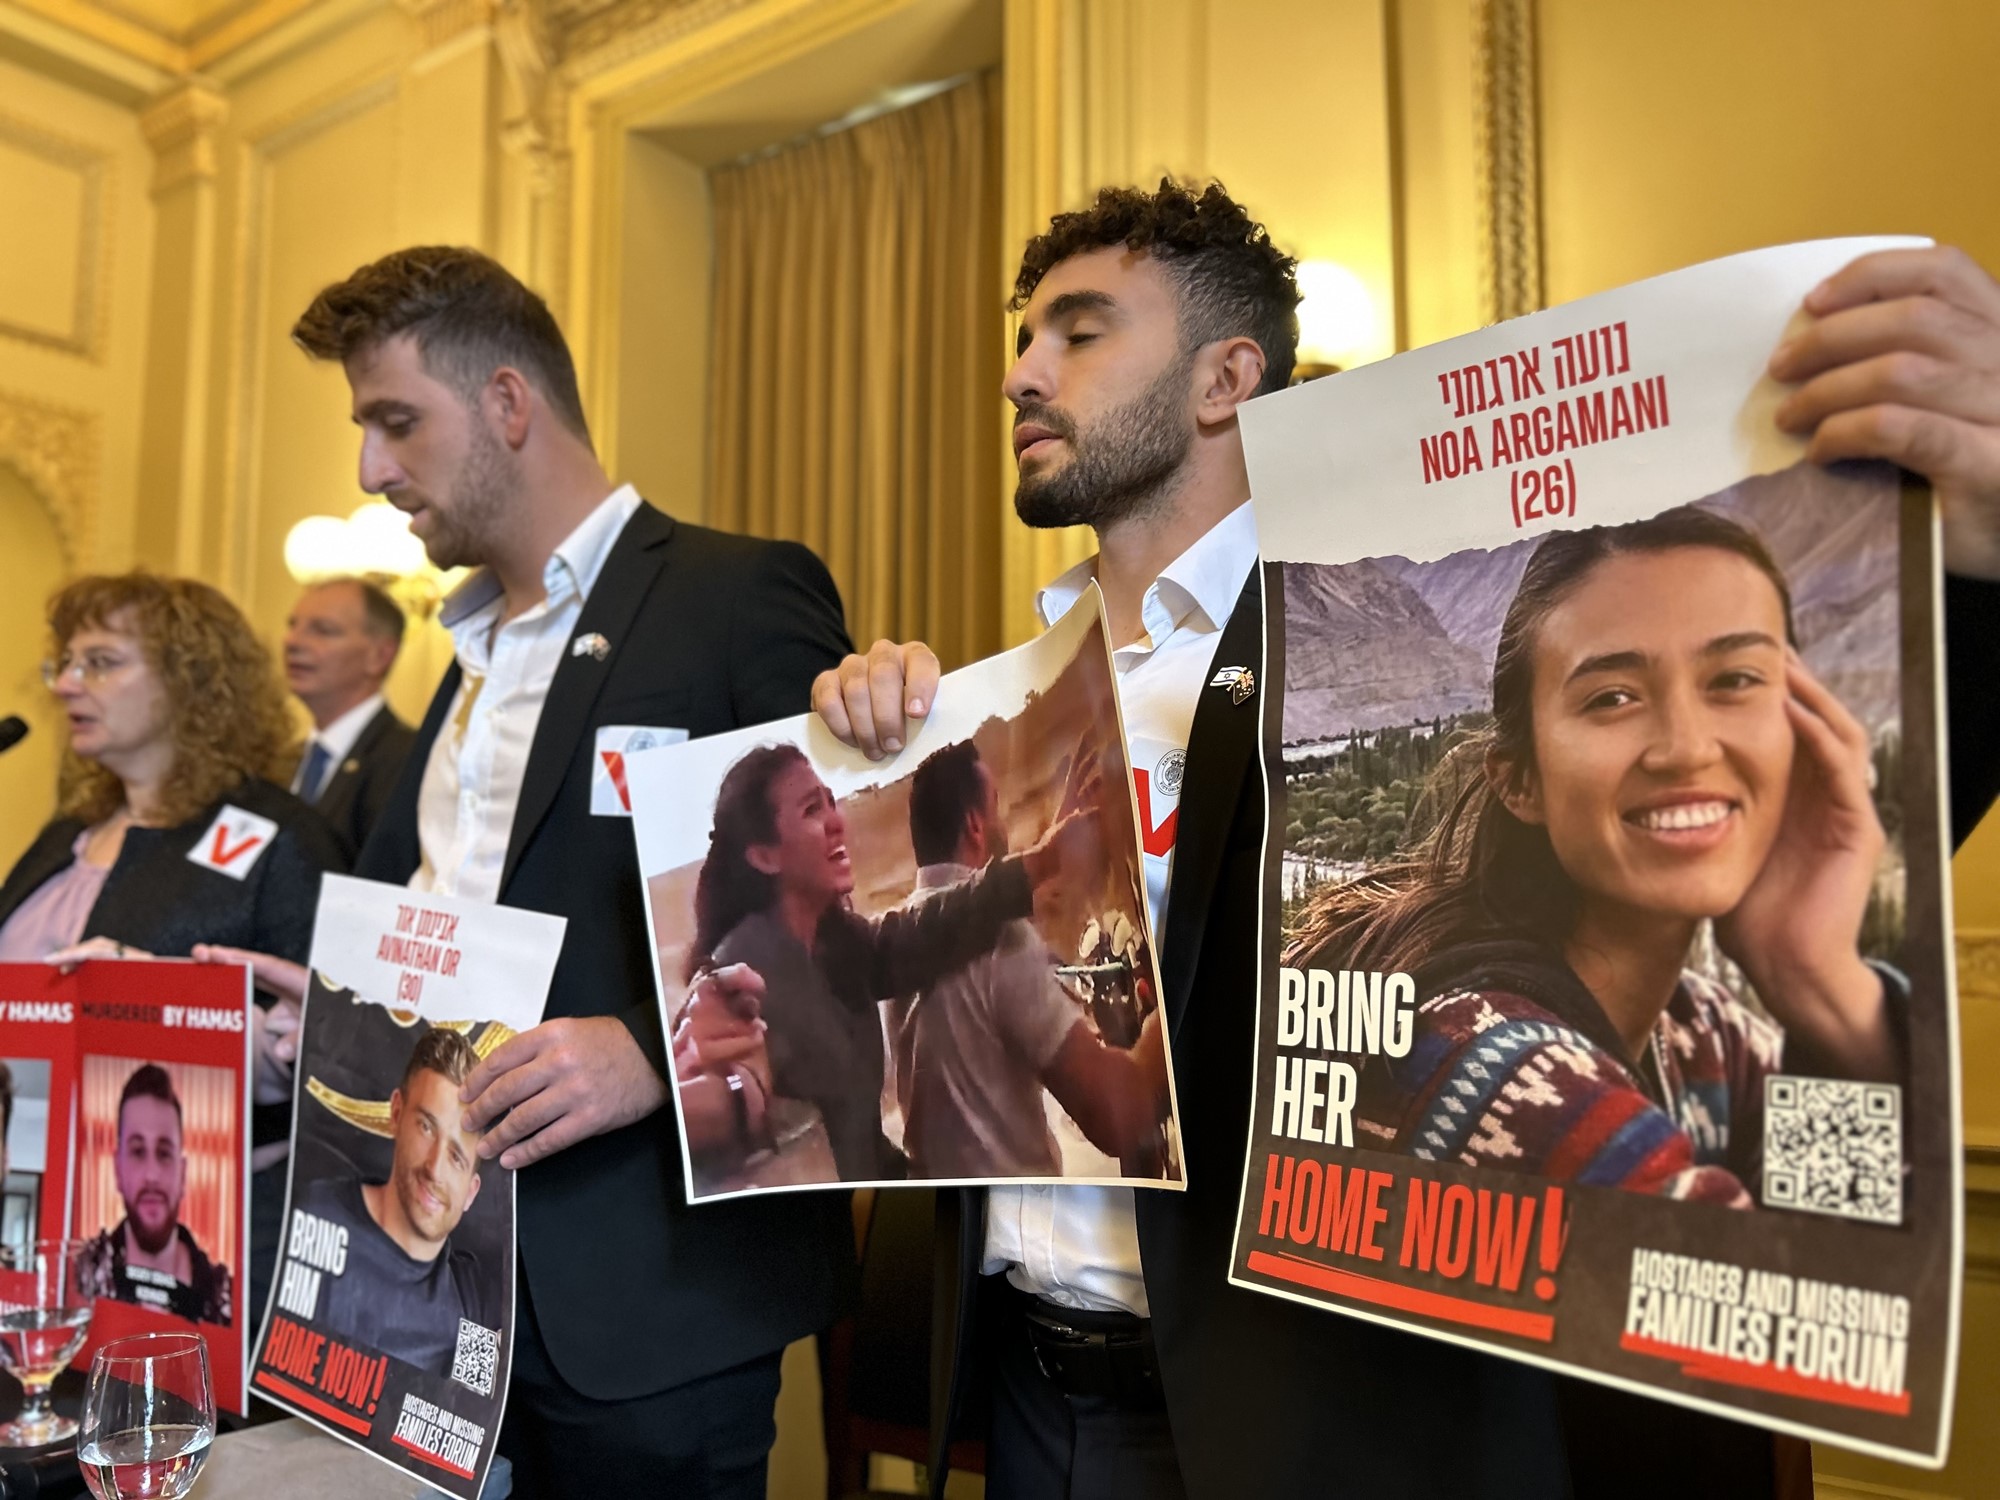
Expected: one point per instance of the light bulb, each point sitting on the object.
(1338, 323)
(318, 547)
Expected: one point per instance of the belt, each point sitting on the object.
(1104, 1355)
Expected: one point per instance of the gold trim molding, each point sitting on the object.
(593, 35)
(440, 22)
(56, 448)
(1507, 157)
(86, 332)
(181, 127)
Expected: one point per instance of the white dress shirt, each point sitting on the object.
(472, 781)
(1079, 1246)
(338, 739)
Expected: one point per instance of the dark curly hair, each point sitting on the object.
(729, 887)
(1233, 282)
(469, 316)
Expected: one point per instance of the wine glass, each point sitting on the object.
(44, 1319)
(148, 1417)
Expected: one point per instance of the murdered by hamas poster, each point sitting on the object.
(1605, 1008)
(391, 1321)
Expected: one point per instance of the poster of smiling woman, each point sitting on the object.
(1605, 1009)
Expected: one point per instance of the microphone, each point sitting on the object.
(13, 729)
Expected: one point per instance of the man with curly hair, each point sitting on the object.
(1099, 1337)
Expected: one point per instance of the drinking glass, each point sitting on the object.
(148, 1417)
(44, 1318)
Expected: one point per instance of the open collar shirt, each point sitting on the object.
(1079, 1246)
(472, 781)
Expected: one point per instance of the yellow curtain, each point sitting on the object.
(856, 361)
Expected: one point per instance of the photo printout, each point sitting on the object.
(934, 968)
(1605, 1005)
(391, 1321)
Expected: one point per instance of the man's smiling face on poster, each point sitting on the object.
(436, 1172)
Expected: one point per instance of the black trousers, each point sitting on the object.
(1045, 1445)
(707, 1440)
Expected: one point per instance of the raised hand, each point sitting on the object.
(1797, 928)
(1902, 363)
(868, 700)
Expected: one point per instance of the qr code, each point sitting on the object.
(1834, 1147)
(476, 1361)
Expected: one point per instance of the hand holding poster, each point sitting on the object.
(392, 1309)
(937, 967)
(1605, 1011)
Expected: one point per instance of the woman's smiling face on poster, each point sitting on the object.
(809, 857)
(1663, 751)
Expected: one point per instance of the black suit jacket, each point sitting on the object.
(633, 1291)
(1269, 1398)
(159, 901)
(357, 790)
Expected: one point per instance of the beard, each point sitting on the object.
(462, 530)
(152, 1238)
(1122, 467)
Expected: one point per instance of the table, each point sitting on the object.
(290, 1458)
(296, 1460)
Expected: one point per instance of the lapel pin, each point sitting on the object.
(1240, 681)
(592, 645)
(350, 766)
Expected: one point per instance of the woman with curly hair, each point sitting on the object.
(173, 830)
(172, 827)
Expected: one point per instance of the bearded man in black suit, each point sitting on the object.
(1095, 1339)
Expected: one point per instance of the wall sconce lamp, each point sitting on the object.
(373, 543)
(1338, 324)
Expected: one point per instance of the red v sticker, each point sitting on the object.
(1158, 768)
(614, 762)
(611, 773)
(220, 856)
(234, 842)
(1157, 840)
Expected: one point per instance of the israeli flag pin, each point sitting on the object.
(1240, 681)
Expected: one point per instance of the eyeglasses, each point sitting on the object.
(88, 670)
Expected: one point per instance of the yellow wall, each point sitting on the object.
(74, 209)
(34, 566)
(1675, 133)
(75, 235)
(1300, 132)
(663, 273)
